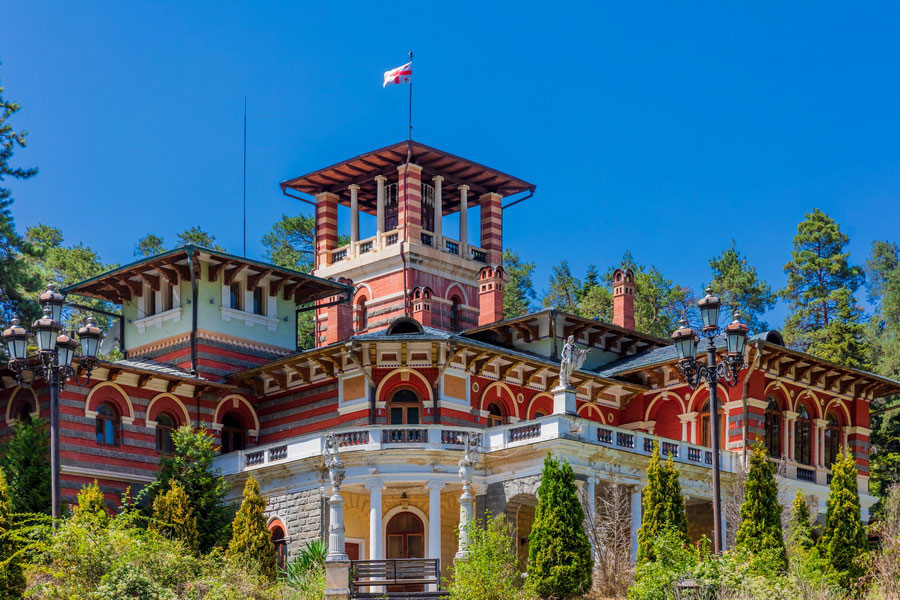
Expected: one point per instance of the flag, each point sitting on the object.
(399, 75)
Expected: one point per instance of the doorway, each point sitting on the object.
(405, 539)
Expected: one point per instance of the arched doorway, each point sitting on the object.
(405, 536)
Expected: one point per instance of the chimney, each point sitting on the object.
(623, 298)
(334, 323)
(490, 295)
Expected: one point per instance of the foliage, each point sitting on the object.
(197, 236)
(884, 565)
(16, 283)
(819, 292)
(91, 507)
(609, 531)
(663, 506)
(311, 556)
(799, 534)
(760, 528)
(291, 243)
(491, 570)
(305, 574)
(26, 463)
(673, 560)
(518, 292)
(191, 465)
(149, 245)
(12, 580)
(251, 543)
(658, 302)
(740, 288)
(559, 554)
(564, 289)
(843, 537)
(173, 517)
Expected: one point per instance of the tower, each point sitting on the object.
(623, 298)
(411, 265)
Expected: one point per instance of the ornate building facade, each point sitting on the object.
(412, 356)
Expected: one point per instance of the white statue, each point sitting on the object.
(572, 358)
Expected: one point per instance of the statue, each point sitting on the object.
(467, 500)
(330, 452)
(573, 358)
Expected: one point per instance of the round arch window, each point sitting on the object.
(280, 542)
(803, 437)
(362, 315)
(832, 440)
(495, 415)
(405, 408)
(405, 536)
(773, 428)
(107, 425)
(232, 433)
(454, 313)
(23, 414)
(165, 425)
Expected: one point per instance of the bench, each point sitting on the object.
(397, 575)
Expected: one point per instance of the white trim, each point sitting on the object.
(158, 319)
(250, 319)
(104, 474)
(361, 543)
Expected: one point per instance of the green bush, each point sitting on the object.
(760, 528)
(673, 561)
(251, 542)
(12, 580)
(173, 518)
(26, 462)
(491, 571)
(843, 536)
(663, 506)
(127, 582)
(305, 574)
(799, 533)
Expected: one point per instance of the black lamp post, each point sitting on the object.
(712, 373)
(56, 350)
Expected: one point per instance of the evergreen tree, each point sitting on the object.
(251, 543)
(17, 285)
(518, 293)
(594, 297)
(559, 553)
(844, 535)
(760, 528)
(198, 237)
(291, 243)
(26, 463)
(740, 288)
(564, 290)
(658, 302)
(173, 518)
(800, 540)
(12, 580)
(819, 291)
(91, 507)
(149, 245)
(191, 466)
(663, 506)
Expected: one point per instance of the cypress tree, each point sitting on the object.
(844, 536)
(251, 543)
(800, 538)
(674, 506)
(26, 463)
(559, 553)
(173, 517)
(760, 528)
(663, 505)
(12, 580)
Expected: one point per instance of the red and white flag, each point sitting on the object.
(399, 75)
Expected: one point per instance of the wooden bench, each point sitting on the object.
(397, 576)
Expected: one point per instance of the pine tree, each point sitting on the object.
(663, 505)
(740, 288)
(197, 236)
(291, 243)
(251, 543)
(518, 292)
(12, 580)
(149, 245)
(26, 463)
(658, 302)
(819, 291)
(844, 535)
(559, 554)
(564, 289)
(173, 518)
(760, 528)
(673, 512)
(799, 534)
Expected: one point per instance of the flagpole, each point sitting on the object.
(245, 176)
(410, 96)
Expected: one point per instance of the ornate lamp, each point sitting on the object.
(45, 331)
(709, 310)
(54, 300)
(736, 336)
(685, 341)
(65, 349)
(16, 339)
(89, 336)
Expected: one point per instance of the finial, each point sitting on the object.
(737, 316)
(709, 290)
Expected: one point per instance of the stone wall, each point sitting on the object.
(303, 516)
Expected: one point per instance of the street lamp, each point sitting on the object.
(56, 351)
(685, 340)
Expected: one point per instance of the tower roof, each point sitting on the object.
(362, 170)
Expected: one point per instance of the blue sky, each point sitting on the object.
(637, 121)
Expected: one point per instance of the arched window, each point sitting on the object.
(832, 440)
(803, 437)
(280, 546)
(539, 414)
(454, 313)
(165, 425)
(232, 433)
(405, 536)
(404, 408)
(107, 425)
(495, 415)
(773, 429)
(706, 432)
(24, 412)
(362, 315)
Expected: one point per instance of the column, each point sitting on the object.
(438, 210)
(376, 543)
(354, 213)
(379, 203)
(492, 227)
(466, 510)
(463, 219)
(724, 541)
(820, 442)
(326, 227)
(688, 427)
(635, 520)
(434, 520)
(590, 492)
(788, 419)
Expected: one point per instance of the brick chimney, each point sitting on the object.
(334, 323)
(490, 295)
(623, 298)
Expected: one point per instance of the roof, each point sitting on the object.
(123, 283)
(362, 170)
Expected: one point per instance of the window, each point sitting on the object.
(23, 414)
(706, 432)
(168, 297)
(280, 543)
(773, 429)
(404, 408)
(232, 434)
(495, 415)
(362, 315)
(390, 207)
(454, 313)
(236, 296)
(832, 441)
(165, 425)
(539, 414)
(427, 213)
(259, 306)
(107, 426)
(149, 302)
(803, 438)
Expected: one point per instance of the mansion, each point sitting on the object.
(412, 357)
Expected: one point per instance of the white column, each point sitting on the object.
(463, 219)
(376, 546)
(379, 202)
(354, 213)
(635, 520)
(434, 519)
(438, 210)
(466, 509)
(590, 492)
(724, 522)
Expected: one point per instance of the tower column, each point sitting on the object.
(379, 203)
(438, 210)
(409, 209)
(354, 213)
(376, 548)
(463, 219)
(326, 227)
(492, 228)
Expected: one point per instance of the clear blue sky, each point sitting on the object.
(637, 121)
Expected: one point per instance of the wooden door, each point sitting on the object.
(405, 539)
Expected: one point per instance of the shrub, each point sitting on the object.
(251, 543)
(844, 536)
(884, 565)
(672, 562)
(663, 506)
(305, 574)
(173, 518)
(127, 582)
(760, 528)
(26, 462)
(12, 581)
(799, 534)
(91, 507)
(559, 554)
(491, 570)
